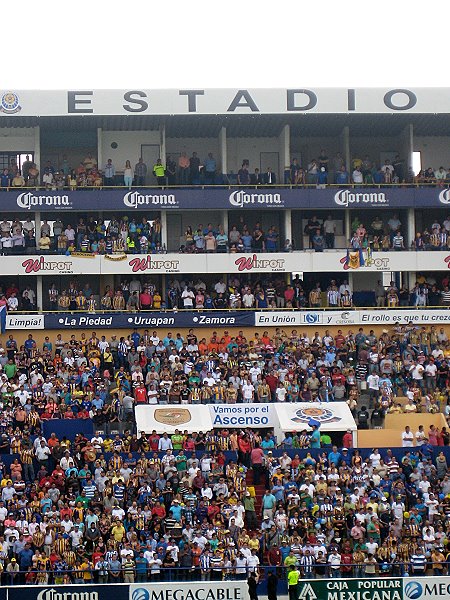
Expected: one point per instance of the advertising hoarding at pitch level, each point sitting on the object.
(351, 589)
(66, 592)
(210, 590)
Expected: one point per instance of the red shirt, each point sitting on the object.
(347, 440)
(154, 441)
(140, 395)
(145, 299)
(257, 456)
(272, 382)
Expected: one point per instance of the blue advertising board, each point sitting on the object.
(199, 198)
(148, 320)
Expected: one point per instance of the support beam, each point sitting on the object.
(287, 228)
(37, 148)
(223, 151)
(164, 229)
(39, 293)
(284, 140)
(100, 147)
(162, 142)
(37, 227)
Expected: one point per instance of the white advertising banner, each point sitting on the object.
(24, 321)
(335, 261)
(224, 101)
(152, 263)
(332, 416)
(296, 318)
(243, 415)
(167, 418)
(199, 590)
(51, 264)
(426, 588)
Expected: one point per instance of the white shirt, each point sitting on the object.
(220, 287)
(165, 444)
(247, 391)
(420, 438)
(407, 439)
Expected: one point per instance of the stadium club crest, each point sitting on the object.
(10, 103)
(178, 416)
(321, 415)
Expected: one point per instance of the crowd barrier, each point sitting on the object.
(372, 587)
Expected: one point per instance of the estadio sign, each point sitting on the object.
(247, 101)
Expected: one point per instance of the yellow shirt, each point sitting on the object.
(118, 531)
(293, 577)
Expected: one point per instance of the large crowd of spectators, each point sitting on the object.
(125, 507)
(194, 170)
(128, 234)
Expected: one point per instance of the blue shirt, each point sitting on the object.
(176, 511)
(141, 564)
(334, 457)
(210, 165)
(315, 439)
(342, 177)
(267, 445)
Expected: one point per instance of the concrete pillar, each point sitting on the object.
(100, 147)
(37, 227)
(347, 227)
(284, 140)
(223, 150)
(346, 148)
(287, 227)
(408, 147)
(224, 220)
(164, 288)
(39, 297)
(162, 142)
(104, 281)
(37, 148)
(350, 281)
(164, 229)
(411, 229)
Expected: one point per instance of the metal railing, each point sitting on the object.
(197, 573)
(228, 185)
(231, 310)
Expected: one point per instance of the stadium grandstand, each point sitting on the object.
(224, 351)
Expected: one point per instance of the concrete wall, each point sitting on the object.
(375, 147)
(128, 146)
(251, 148)
(435, 151)
(20, 139)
